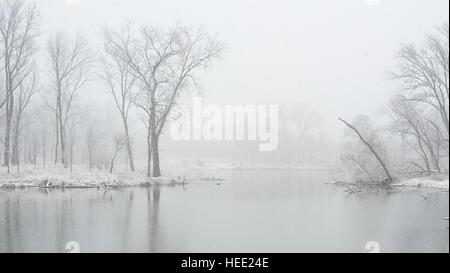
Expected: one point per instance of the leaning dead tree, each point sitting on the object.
(19, 28)
(372, 150)
(166, 63)
(69, 71)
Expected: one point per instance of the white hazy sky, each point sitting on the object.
(330, 55)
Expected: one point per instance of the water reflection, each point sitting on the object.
(248, 212)
(44, 220)
(153, 217)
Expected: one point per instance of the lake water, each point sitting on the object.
(250, 211)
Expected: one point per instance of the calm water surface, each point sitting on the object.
(250, 211)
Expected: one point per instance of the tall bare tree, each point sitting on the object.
(44, 142)
(120, 81)
(91, 142)
(26, 90)
(74, 122)
(419, 131)
(420, 111)
(34, 149)
(166, 62)
(424, 73)
(19, 28)
(70, 63)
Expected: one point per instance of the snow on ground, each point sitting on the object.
(62, 178)
(427, 182)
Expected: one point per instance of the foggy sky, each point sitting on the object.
(329, 55)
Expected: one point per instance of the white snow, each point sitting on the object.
(57, 178)
(427, 182)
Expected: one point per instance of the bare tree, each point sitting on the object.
(120, 81)
(419, 132)
(119, 142)
(44, 141)
(166, 62)
(371, 148)
(19, 25)
(352, 158)
(2, 84)
(305, 121)
(91, 146)
(424, 72)
(53, 110)
(420, 112)
(73, 121)
(34, 149)
(27, 89)
(70, 62)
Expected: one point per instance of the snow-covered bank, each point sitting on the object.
(427, 182)
(55, 179)
(436, 181)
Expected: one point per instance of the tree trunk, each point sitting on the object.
(9, 107)
(61, 131)
(14, 158)
(111, 165)
(424, 156)
(149, 153)
(44, 152)
(71, 153)
(15, 152)
(91, 163)
(155, 153)
(433, 155)
(128, 144)
(371, 149)
(57, 135)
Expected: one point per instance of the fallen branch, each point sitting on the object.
(424, 196)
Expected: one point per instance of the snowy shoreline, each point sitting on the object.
(57, 178)
(424, 182)
(85, 180)
(428, 182)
